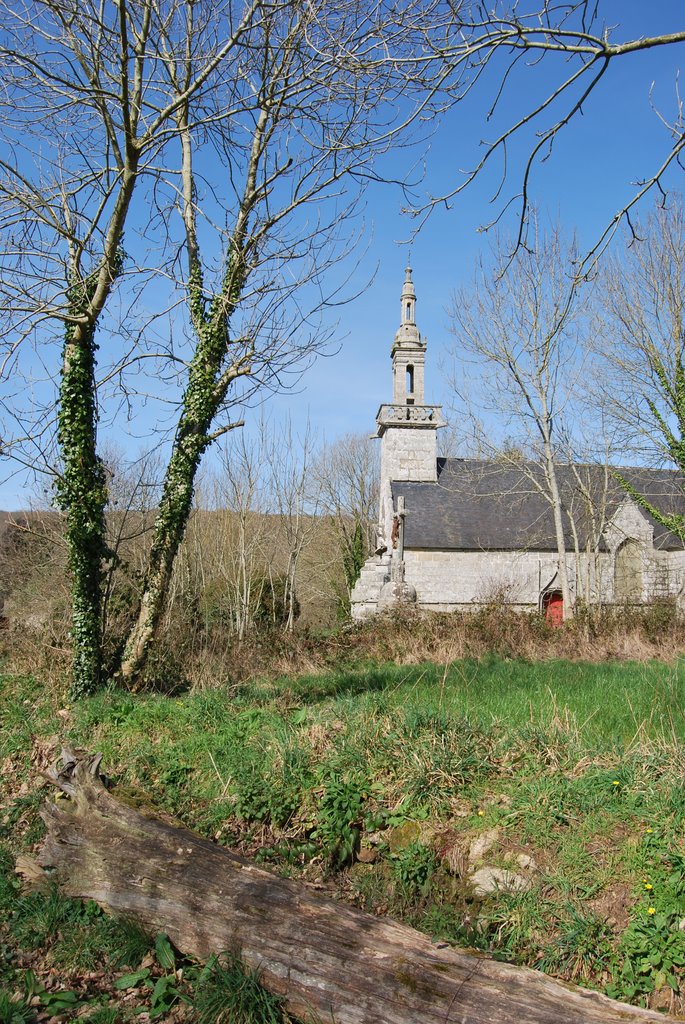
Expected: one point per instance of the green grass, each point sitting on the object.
(227, 994)
(605, 704)
(578, 766)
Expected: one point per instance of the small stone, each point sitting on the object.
(374, 838)
(482, 844)
(367, 855)
(487, 880)
(526, 863)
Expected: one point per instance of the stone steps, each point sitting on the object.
(366, 591)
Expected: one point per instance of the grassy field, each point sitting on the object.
(388, 785)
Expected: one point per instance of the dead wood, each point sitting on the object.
(330, 962)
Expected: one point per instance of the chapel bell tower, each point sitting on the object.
(408, 427)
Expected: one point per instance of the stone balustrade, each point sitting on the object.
(416, 414)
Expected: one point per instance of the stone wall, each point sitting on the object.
(663, 574)
(409, 453)
(445, 580)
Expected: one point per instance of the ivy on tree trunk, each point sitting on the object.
(206, 390)
(82, 494)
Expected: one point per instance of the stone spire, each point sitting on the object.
(408, 351)
(407, 310)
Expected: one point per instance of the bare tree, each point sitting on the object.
(133, 493)
(348, 471)
(519, 335)
(641, 346)
(586, 508)
(240, 529)
(545, 63)
(294, 499)
(230, 142)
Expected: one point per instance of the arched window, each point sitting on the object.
(410, 380)
(408, 316)
(628, 571)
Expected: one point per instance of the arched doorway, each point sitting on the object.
(553, 607)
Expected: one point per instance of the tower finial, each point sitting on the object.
(408, 316)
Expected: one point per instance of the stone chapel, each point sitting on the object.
(459, 533)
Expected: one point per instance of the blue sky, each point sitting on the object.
(618, 140)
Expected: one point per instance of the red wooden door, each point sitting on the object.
(553, 607)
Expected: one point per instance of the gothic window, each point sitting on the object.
(408, 316)
(628, 572)
(410, 380)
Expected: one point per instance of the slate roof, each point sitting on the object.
(477, 505)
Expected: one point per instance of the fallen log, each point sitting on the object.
(330, 962)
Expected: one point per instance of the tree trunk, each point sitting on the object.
(551, 474)
(329, 961)
(170, 524)
(82, 495)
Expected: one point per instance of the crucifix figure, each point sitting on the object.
(397, 564)
(401, 513)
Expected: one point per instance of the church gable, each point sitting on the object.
(629, 522)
